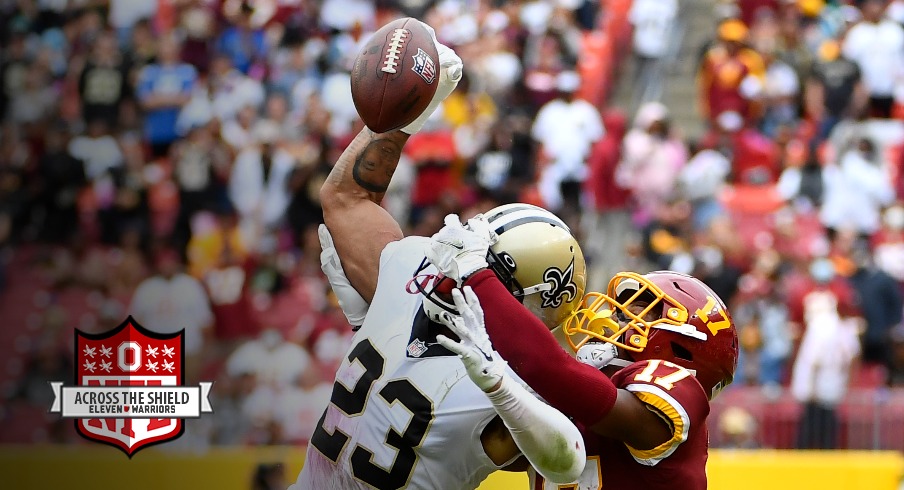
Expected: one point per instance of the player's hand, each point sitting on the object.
(484, 366)
(459, 251)
(450, 72)
(353, 305)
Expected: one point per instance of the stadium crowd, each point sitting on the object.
(163, 159)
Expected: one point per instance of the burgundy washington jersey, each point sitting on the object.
(678, 464)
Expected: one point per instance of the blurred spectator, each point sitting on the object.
(653, 22)
(664, 239)
(127, 265)
(231, 424)
(143, 45)
(702, 181)
(801, 182)
(104, 82)
(880, 299)
(124, 14)
(718, 256)
(163, 89)
(299, 407)
(100, 153)
(243, 41)
(63, 176)
(314, 165)
(799, 36)
(755, 159)
(856, 189)
(545, 58)
(228, 285)
(762, 317)
(652, 158)
(781, 92)
(13, 67)
(197, 23)
(238, 132)
(472, 115)
(432, 153)
(171, 300)
(749, 10)
(731, 75)
(258, 186)
(209, 235)
(273, 361)
(823, 365)
(497, 67)
(342, 15)
(35, 100)
(565, 128)
(835, 91)
(506, 167)
(231, 93)
(889, 243)
(876, 44)
(201, 165)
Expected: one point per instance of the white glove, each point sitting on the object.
(484, 367)
(353, 305)
(597, 354)
(459, 251)
(450, 71)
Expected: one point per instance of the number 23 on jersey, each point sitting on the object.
(353, 402)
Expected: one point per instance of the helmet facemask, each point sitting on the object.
(625, 315)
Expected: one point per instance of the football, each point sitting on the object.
(395, 76)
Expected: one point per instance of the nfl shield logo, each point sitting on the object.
(424, 66)
(129, 355)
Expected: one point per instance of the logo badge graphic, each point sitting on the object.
(562, 287)
(417, 348)
(424, 66)
(130, 389)
(708, 313)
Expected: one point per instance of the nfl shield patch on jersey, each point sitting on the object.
(416, 348)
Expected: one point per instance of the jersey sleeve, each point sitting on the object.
(532, 352)
(674, 394)
(406, 247)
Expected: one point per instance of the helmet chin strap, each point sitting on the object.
(536, 288)
(604, 354)
(620, 362)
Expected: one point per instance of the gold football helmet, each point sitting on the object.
(538, 260)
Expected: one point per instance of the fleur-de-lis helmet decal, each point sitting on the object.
(563, 287)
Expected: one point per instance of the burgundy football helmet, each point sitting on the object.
(662, 315)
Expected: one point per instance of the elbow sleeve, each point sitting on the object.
(577, 390)
(551, 443)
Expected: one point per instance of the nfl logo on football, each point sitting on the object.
(424, 66)
(130, 389)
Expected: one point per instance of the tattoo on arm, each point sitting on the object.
(375, 165)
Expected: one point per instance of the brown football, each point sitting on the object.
(395, 76)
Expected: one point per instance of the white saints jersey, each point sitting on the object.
(403, 412)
